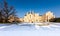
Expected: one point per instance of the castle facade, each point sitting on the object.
(32, 17)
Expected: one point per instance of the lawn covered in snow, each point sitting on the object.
(30, 30)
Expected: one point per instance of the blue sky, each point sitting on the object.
(39, 6)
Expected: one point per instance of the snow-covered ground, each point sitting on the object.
(30, 30)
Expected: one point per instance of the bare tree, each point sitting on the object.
(0, 12)
(8, 11)
(0, 16)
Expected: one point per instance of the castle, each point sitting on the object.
(32, 17)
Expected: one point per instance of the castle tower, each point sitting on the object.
(49, 15)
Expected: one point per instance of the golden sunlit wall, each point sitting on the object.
(34, 17)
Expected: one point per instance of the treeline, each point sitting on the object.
(55, 20)
(6, 11)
